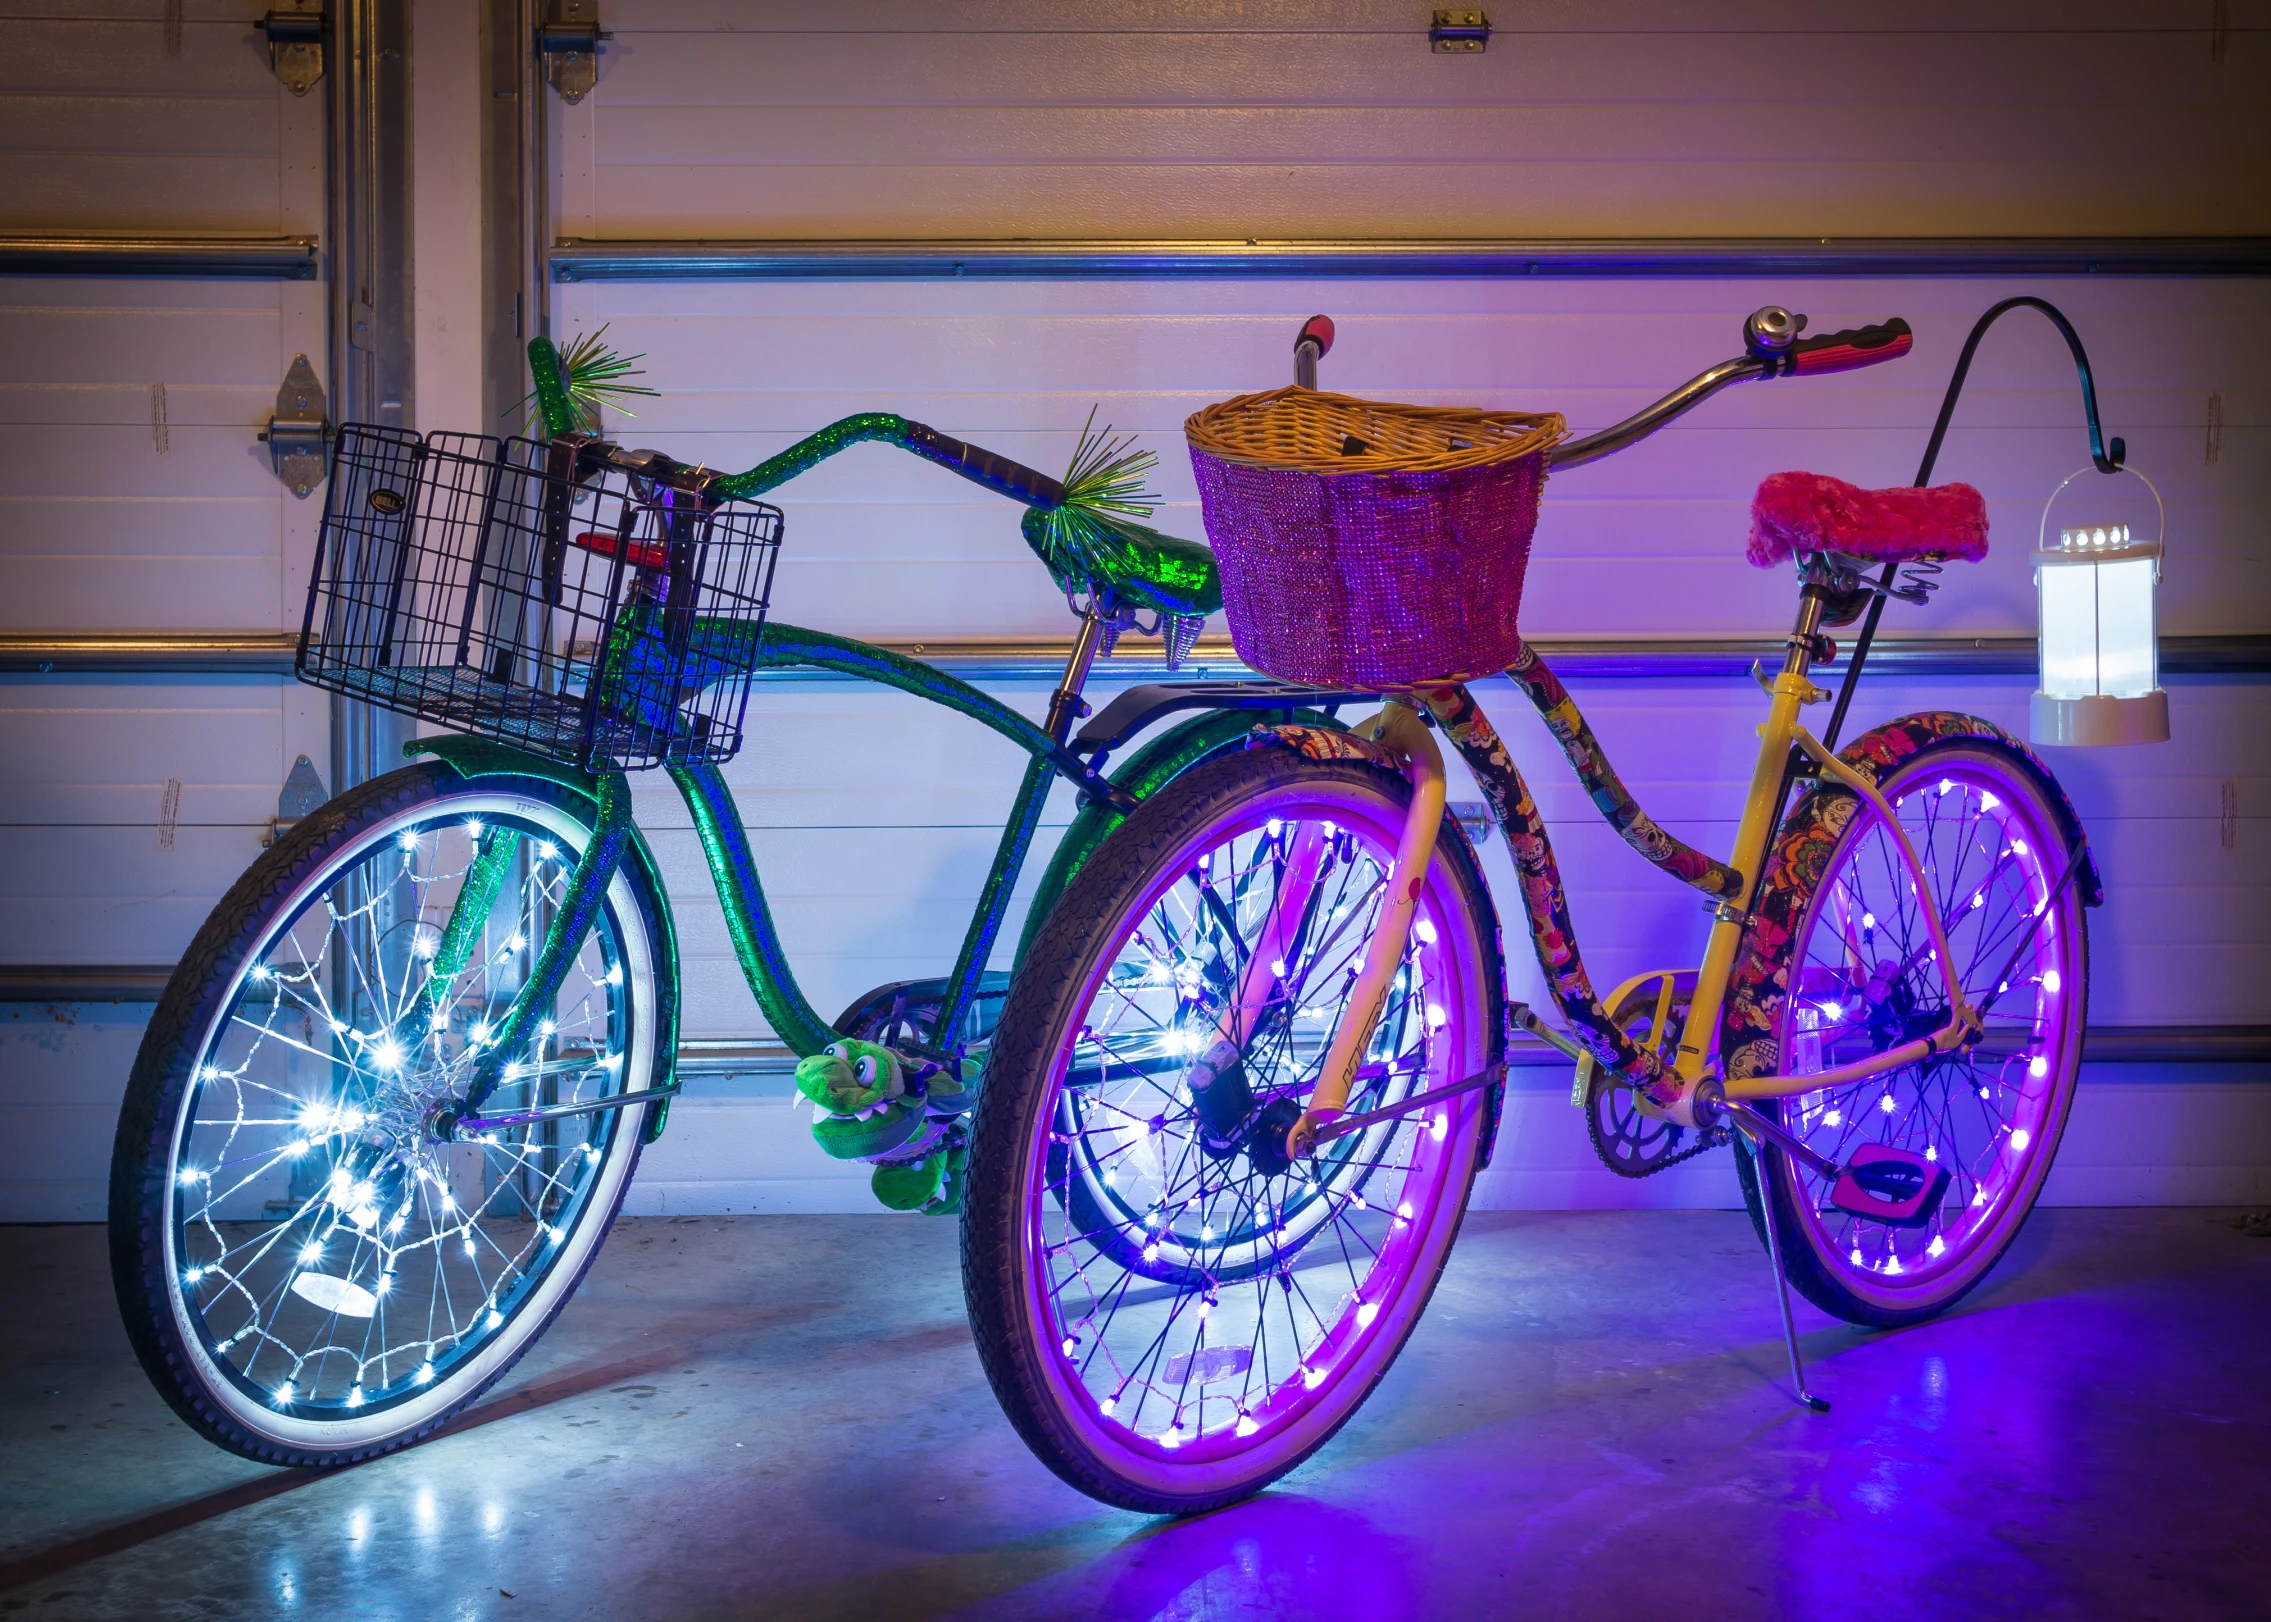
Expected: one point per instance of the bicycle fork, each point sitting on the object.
(586, 892)
(1399, 728)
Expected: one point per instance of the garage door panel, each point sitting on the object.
(134, 497)
(724, 144)
(60, 45)
(138, 406)
(1307, 62)
(1209, 336)
(198, 463)
(98, 750)
(780, 358)
(714, 381)
(1914, 196)
(124, 532)
(1021, 121)
(121, 124)
(146, 595)
(203, 341)
(109, 895)
(886, 18)
(153, 192)
(67, 128)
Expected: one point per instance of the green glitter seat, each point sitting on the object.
(1142, 568)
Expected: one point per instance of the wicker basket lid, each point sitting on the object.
(1310, 431)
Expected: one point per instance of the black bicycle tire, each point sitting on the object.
(1091, 907)
(161, 1064)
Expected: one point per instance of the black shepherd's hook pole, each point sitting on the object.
(2106, 456)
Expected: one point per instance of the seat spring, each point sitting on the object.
(1919, 578)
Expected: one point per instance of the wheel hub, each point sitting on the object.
(1265, 1139)
(1221, 1099)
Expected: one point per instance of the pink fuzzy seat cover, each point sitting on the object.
(1805, 512)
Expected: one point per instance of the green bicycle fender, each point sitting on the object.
(479, 757)
(1166, 757)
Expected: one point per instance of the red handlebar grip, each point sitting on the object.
(1846, 351)
(639, 554)
(1320, 329)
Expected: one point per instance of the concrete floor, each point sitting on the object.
(783, 1417)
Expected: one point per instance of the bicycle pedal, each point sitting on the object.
(1897, 1187)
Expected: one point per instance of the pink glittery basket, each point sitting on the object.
(1365, 544)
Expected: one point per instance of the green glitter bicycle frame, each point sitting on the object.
(1129, 566)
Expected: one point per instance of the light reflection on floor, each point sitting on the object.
(785, 1417)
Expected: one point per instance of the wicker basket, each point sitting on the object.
(1370, 545)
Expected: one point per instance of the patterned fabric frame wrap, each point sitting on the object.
(1607, 791)
(1543, 895)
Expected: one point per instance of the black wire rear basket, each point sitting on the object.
(573, 599)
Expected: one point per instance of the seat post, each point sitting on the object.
(1813, 598)
(1065, 705)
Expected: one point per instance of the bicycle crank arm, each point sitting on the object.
(1759, 1129)
(446, 1125)
(1306, 1133)
(1526, 1017)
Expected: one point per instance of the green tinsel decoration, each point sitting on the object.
(1104, 500)
(595, 377)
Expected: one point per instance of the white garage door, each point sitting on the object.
(1018, 120)
(134, 498)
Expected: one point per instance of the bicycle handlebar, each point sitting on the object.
(981, 466)
(1773, 349)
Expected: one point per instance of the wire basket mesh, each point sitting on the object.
(1366, 544)
(569, 599)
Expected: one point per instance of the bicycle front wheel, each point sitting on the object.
(1173, 1315)
(1861, 977)
(308, 1271)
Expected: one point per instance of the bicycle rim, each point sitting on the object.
(337, 1275)
(1204, 1316)
(1864, 978)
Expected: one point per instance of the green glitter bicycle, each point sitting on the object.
(394, 1093)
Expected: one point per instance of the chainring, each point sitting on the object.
(1630, 1142)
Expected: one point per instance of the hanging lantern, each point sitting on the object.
(2100, 652)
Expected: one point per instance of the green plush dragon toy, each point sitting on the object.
(909, 1126)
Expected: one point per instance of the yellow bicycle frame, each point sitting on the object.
(1781, 732)
(1692, 1064)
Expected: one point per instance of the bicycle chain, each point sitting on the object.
(1705, 1138)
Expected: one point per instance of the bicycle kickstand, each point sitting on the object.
(1818, 1405)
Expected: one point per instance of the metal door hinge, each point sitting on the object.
(299, 434)
(1459, 31)
(568, 41)
(303, 794)
(295, 47)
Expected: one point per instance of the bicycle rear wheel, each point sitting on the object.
(1171, 1314)
(307, 1272)
(1861, 978)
